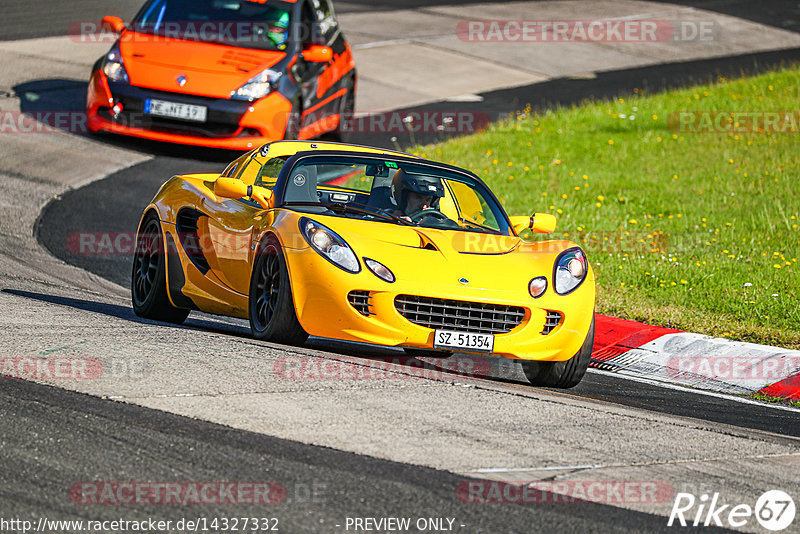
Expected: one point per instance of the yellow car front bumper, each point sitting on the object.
(320, 291)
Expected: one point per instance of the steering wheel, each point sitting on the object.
(432, 212)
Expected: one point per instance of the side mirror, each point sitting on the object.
(540, 223)
(113, 24)
(230, 188)
(318, 54)
(233, 188)
(543, 223)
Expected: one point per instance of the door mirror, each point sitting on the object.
(233, 188)
(113, 24)
(318, 54)
(520, 223)
(540, 223)
(230, 188)
(543, 223)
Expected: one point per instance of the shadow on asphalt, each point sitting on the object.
(782, 14)
(458, 365)
(86, 438)
(124, 312)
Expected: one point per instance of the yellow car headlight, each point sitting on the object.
(570, 271)
(329, 245)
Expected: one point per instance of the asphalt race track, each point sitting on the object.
(118, 202)
(323, 487)
(204, 411)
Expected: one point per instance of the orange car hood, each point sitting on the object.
(210, 69)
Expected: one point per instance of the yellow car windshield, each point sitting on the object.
(399, 191)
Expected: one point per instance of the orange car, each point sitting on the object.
(224, 73)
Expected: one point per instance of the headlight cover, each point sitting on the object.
(113, 66)
(329, 245)
(570, 271)
(257, 87)
(379, 270)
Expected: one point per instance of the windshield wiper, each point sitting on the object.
(479, 227)
(336, 207)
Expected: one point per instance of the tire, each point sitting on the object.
(293, 122)
(343, 132)
(565, 374)
(148, 276)
(271, 307)
(427, 353)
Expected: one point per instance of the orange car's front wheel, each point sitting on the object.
(271, 308)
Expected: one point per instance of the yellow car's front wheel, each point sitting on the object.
(565, 374)
(148, 276)
(271, 309)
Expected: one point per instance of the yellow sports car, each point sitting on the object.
(369, 245)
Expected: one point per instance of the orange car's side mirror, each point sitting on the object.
(540, 223)
(233, 188)
(113, 24)
(318, 54)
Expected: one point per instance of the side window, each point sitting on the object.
(471, 206)
(249, 170)
(228, 172)
(269, 172)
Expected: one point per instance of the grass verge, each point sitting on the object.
(693, 230)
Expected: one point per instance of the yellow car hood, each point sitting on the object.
(439, 257)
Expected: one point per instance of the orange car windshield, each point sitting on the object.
(243, 23)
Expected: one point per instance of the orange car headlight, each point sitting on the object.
(257, 87)
(113, 66)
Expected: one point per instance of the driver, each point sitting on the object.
(415, 193)
(278, 30)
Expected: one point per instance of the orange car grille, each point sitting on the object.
(476, 317)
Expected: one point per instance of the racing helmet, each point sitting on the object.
(280, 38)
(404, 183)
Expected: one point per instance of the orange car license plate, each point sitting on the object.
(448, 339)
(175, 110)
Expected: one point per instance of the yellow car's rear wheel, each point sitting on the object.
(271, 308)
(148, 276)
(565, 374)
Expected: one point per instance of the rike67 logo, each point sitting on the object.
(774, 510)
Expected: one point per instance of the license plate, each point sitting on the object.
(175, 110)
(447, 339)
